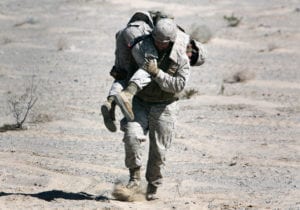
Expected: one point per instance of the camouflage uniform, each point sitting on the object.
(129, 59)
(142, 78)
(155, 108)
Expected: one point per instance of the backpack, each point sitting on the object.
(142, 16)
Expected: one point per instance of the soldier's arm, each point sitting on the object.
(174, 83)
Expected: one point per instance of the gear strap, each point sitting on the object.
(137, 40)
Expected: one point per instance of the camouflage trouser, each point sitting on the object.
(158, 120)
(116, 87)
(141, 78)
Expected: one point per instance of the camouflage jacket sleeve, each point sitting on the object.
(177, 82)
(174, 80)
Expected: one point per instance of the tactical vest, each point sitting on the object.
(152, 92)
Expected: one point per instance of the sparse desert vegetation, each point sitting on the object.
(20, 107)
(232, 20)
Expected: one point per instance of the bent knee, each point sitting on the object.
(134, 133)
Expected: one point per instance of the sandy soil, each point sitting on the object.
(237, 143)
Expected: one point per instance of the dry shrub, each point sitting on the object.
(232, 20)
(240, 76)
(29, 21)
(201, 33)
(6, 40)
(62, 44)
(122, 193)
(272, 46)
(20, 107)
(187, 94)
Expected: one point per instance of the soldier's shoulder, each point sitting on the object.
(178, 52)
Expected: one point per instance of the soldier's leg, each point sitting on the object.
(139, 80)
(161, 132)
(134, 135)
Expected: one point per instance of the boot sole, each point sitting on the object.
(151, 193)
(151, 197)
(108, 122)
(119, 101)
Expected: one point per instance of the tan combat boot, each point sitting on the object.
(124, 100)
(108, 113)
(135, 178)
(151, 192)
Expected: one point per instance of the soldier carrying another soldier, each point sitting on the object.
(149, 100)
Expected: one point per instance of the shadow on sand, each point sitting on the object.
(55, 194)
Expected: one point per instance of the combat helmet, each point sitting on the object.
(165, 30)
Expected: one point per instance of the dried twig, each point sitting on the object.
(20, 106)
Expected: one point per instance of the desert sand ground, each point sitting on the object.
(237, 142)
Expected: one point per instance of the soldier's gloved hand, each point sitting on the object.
(150, 66)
